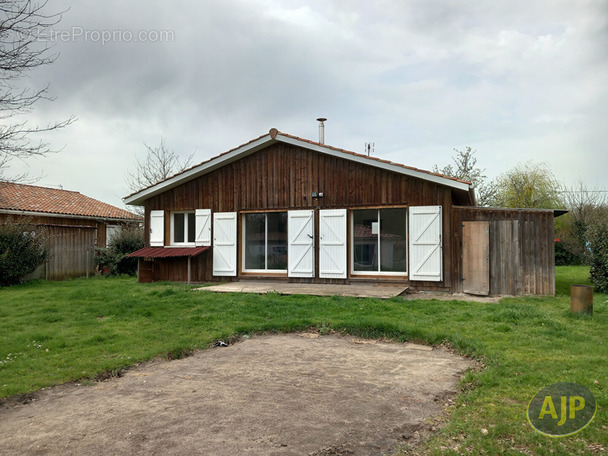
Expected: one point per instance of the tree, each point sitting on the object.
(158, 164)
(466, 169)
(598, 246)
(22, 250)
(587, 208)
(527, 185)
(22, 22)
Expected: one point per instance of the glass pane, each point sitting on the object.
(365, 240)
(191, 227)
(277, 240)
(255, 232)
(178, 227)
(392, 240)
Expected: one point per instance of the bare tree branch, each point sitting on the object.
(158, 164)
(466, 169)
(22, 23)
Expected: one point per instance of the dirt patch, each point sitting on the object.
(271, 395)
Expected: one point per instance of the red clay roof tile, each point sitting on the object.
(31, 198)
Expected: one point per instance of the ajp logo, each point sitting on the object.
(561, 409)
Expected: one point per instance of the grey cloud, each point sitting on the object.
(515, 80)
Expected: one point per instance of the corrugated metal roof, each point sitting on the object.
(31, 198)
(164, 252)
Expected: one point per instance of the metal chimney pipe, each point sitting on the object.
(321, 130)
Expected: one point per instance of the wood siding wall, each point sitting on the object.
(522, 257)
(283, 177)
(71, 243)
(71, 251)
(100, 239)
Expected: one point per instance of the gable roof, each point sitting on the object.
(275, 136)
(34, 200)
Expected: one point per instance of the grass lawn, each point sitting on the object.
(55, 332)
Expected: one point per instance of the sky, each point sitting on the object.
(515, 80)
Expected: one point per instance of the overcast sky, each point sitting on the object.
(515, 80)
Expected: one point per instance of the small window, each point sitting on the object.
(112, 231)
(183, 228)
(379, 241)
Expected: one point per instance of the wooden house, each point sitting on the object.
(291, 209)
(74, 224)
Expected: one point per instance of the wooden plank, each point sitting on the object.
(456, 284)
(551, 256)
(516, 258)
(495, 258)
(528, 289)
(476, 258)
(507, 253)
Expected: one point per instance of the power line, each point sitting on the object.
(582, 191)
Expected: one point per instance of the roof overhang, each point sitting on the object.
(138, 198)
(559, 212)
(70, 216)
(167, 252)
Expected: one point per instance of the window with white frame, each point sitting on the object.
(379, 241)
(265, 242)
(112, 231)
(183, 228)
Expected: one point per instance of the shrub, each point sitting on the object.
(598, 245)
(114, 257)
(22, 250)
(564, 255)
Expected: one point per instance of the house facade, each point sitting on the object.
(291, 209)
(74, 225)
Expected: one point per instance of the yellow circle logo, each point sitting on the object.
(561, 409)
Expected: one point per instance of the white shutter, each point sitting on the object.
(203, 227)
(224, 244)
(301, 254)
(425, 243)
(332, 244)
(157, 228)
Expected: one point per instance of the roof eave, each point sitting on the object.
(379, 164)
(139, 198)
(28, 213)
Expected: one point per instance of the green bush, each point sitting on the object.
(564, 256)
(598, 245)
(114, 257)
(22, 250)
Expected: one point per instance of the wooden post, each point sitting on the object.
(189, 268)
(581, 299)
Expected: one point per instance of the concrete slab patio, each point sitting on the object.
(313, 289)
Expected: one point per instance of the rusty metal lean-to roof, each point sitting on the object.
(162, 252)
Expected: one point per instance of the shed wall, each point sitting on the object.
(522, 257)
(71, 243)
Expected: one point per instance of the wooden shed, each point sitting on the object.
(292, 209)
(74, 224)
